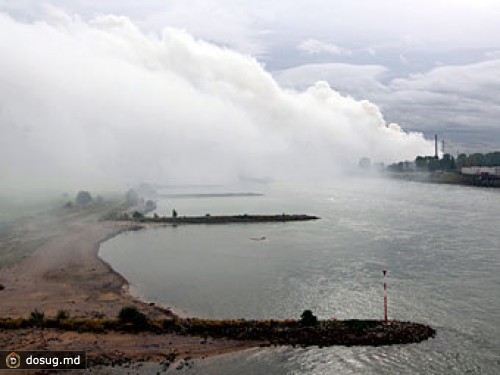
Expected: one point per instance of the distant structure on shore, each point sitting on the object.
(490, 171)
(488, 176)
(436, 156)
(474, 169)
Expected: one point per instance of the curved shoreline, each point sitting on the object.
(349, 332)
(128, 289)
(66, 273)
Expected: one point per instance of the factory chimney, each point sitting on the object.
(436, 146)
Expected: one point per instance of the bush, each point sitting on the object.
(137, 216)
(62, 315)
(168, 325)
(308, 319)
(37, 318)
(83, 198)
(130, 315)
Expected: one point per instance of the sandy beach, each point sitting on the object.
(61, 270)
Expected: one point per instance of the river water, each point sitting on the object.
(439, 243)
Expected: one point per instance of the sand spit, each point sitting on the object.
(64, 272)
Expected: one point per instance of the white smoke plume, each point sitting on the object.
(101, 101)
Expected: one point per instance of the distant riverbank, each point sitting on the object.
(452, 178)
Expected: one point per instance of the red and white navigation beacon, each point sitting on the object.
(386, 320)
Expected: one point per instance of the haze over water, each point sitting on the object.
(439, 243)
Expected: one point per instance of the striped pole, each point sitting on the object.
(385, 298)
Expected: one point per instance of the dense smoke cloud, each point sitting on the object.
(101, 101)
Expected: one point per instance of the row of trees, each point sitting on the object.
(430, 163)
(491, 159)
(448, 162)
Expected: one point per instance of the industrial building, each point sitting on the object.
(487, 176)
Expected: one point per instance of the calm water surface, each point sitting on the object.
(441, 245)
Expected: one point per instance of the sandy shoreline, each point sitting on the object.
(65, 273)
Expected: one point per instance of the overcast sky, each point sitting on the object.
(431, 66)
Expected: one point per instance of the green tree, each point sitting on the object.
(130, 315)
(83, 198)
(477, 160)
(433, 164)
(461, 161)
(137, 216)
(37, 318)
(447, 163)
(421, 162)
(492, 159)
(495, 159)
(308, 318)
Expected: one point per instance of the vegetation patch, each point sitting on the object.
(62, 315)
(37, 318)
(134, 318)
(308, 319)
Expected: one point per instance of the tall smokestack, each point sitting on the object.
(435, 146)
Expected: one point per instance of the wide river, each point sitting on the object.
(439, 243)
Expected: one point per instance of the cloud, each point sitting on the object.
(492, 54)
(349, 79)
(100, 101)
(473, 81)
(457, 101)
(225, 23)
(314, 47)
(460, 101)
(429, 25)
(464, 95)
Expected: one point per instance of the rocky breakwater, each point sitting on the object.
(209, 219)
(295, 333)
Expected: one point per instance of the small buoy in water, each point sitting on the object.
(258, 238)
